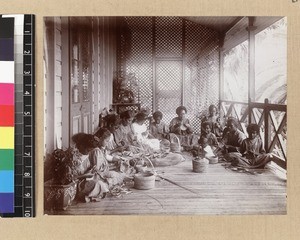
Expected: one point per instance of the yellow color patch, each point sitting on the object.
(7, 137)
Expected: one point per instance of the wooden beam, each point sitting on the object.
(234, 102)
(247, 111)
(221, 67)
(66, 83)
(273, 107)
(251, 61)
(229, 110)
(267, 126)
(50, 97)
(261, 118)
(280, 162)
(278, 130)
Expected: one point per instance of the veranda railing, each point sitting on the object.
(272, 118)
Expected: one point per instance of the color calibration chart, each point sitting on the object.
(17, 116)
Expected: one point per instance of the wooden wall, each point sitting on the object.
(57, 76)
(107, 61)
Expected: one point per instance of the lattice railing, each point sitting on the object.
(272, 119)
(238, 110)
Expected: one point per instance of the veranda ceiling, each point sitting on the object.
(219, 24)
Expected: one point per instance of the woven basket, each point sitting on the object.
(175, 144)
(200, 165)
(144, 181)
(213, 160)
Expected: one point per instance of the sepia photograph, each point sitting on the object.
(165, 115)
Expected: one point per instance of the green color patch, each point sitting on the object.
(6, 159)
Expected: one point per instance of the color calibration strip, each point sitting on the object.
(7, 115)
(24, 116)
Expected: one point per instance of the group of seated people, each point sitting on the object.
(130, 133)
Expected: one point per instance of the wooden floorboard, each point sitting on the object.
(219, 191)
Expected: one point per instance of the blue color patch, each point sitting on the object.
(6, 49)
(6, 202)
(6, 181)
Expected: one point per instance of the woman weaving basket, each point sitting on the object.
(180, 126)
(92, 169)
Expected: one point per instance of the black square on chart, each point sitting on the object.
(7, 27)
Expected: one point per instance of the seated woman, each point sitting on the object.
(252, 153)
(91, 168)
(108, 145)
(180, 126)
(159, 129)
(214, 119)
(141, 133)
(112, 123)
(232, 138)
(123, 134)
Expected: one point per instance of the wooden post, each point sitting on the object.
(65, 83)
(50, 91)
(249, 110)
(251, 63)
(267, 125)
(221, 70)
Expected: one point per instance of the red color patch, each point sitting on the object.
(7, 116)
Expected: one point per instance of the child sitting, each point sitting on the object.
(252, 153)
(206, 133)
(205, 150)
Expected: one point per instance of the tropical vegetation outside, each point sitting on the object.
(271, 63)
(270, 77)
(270, 67)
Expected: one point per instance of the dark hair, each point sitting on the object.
(141, 116)
(103, 133)
(85, 140)
(202, 140)
(180, 108)
(233, 120)
(204, 124)
(126, 114)
(157, 114)
(112, 120)
(211, 107)
(253, 128)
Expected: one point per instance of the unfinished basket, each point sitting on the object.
(175, 144)
(145, 180)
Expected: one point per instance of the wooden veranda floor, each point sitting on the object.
(219, 191)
